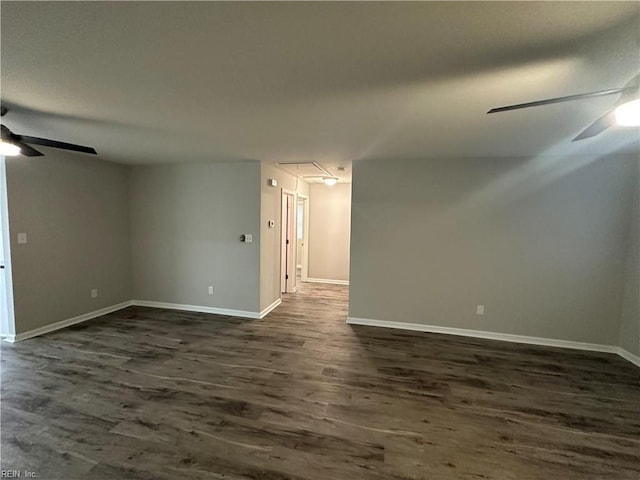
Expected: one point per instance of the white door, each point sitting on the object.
(4, 313)
(300, 232)
(302, 229)
(6, 302)
(288, 243)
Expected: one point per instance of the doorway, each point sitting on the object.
(302, 236)
(288, 242)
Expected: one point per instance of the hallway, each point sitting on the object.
(159, 394)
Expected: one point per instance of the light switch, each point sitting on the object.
(271, 224)
(22, 238)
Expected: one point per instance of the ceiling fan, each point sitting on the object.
(13, 144)
(626, 113)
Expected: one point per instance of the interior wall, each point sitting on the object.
(541, 243)
(270, 210)
(186, 223)
(329, 231)
(74, 210)
(630, 318)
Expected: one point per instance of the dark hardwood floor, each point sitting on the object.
(157, 394)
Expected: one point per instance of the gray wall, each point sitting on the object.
(630, 319)
(329, 231)
(75, 212)
(542, 243)
(270, 209)
(186, 221)
(550, 254)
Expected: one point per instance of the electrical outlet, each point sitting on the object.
(210, 289)
(480, 310)
(22, 238)
(94, 293)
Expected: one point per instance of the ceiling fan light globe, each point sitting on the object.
(331, 181)
(628, 114)
(9, 149)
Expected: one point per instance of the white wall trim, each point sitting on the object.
(66, 323)
(327, 280)
(628, 356)
(268, 310)
(141, 303)
(504, 337)
(197, 308)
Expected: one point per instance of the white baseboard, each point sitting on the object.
(198, 308)
(327, 280)
(628, 356)
(268, 310)
(504, 337)
(66, 323)
(142, 303)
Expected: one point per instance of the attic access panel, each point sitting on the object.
(304, 170)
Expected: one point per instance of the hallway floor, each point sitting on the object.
(148, 393)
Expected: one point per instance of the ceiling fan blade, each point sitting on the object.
(27, 150)
(55, 144)
(6, 134)
(596, 127)
(10, 137)
(568, 98)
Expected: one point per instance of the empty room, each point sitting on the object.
(320, 240)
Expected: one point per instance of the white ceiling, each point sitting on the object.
(330, 82)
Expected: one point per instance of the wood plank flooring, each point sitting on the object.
(157, 394)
